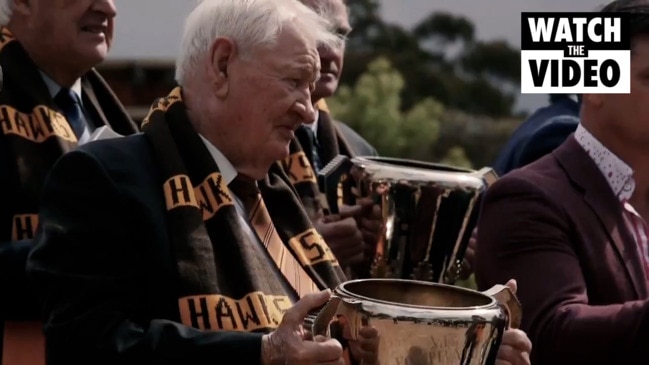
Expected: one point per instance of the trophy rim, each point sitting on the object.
(415, 164)
(387, 169)
(343, 290)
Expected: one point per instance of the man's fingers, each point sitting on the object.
(347, 211)
(368, 332)
(324, 349)
(517, 339)
(340, 228)
(510, 355)
(296, 314)
(372, 225)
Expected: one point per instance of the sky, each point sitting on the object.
(151, 29)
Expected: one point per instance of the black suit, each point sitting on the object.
(104, 264)
(362, 147)
(13, 254)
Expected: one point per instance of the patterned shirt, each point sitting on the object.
(620, 178)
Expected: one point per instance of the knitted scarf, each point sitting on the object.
(33, 135)
(227, 280)
(299, 164)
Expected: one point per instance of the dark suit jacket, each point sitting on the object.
(540, 134)
(557, 228)
(104, 265)
(362, 147)
(13, 254)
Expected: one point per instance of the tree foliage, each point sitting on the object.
(438, 58)
(427, 131)
(373, 108)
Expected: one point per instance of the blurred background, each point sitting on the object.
(433, 80)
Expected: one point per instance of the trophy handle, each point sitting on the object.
(335, 308)
(329, 178)
(508, 300)
(488, 174)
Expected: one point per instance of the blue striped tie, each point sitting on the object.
(315, 157)
(70, 105)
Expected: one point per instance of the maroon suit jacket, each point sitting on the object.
(557, 228)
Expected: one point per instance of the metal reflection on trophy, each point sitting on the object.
(428, 211)
(421, 323)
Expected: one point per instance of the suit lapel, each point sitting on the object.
(327, 137)
(598, 195)
(331, 140)
(89, 96)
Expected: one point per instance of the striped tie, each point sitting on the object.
(70, 105)
(246, 190)
(306, 135)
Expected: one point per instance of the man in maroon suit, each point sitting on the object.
(571, 228)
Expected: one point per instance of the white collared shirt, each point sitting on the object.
(228, 172)
(619, 176)
(53, 87)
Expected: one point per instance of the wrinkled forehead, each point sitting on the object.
(292, 49)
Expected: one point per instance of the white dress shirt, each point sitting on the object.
(229, 173)
(54, 89)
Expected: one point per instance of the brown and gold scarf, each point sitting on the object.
(33, 135)
(228, 281)
(299, 165)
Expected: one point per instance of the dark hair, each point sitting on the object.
(620, 6)
(639, 14)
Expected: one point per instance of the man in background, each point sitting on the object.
(51, 101)
(351, 233)
(572, 229)
(546, 129)
(174, 245)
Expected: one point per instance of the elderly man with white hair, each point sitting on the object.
(51, 101)
(159, 248)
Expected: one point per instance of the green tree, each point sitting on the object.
(438, 58)
(373, 108)
(457, 157)
(428, 131)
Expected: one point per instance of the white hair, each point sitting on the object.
(250, 24)
(6, 9)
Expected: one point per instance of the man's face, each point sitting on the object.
(81, 31)
(269, 97)
(331, 59)
(627, 115)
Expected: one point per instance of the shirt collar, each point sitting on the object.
(314, 125)
(54, 88)
(618, 174)
(225, 166)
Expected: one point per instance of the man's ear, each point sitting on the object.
(223, 52)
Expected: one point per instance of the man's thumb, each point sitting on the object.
(347, 211)
(511, 284)
(308, 303)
